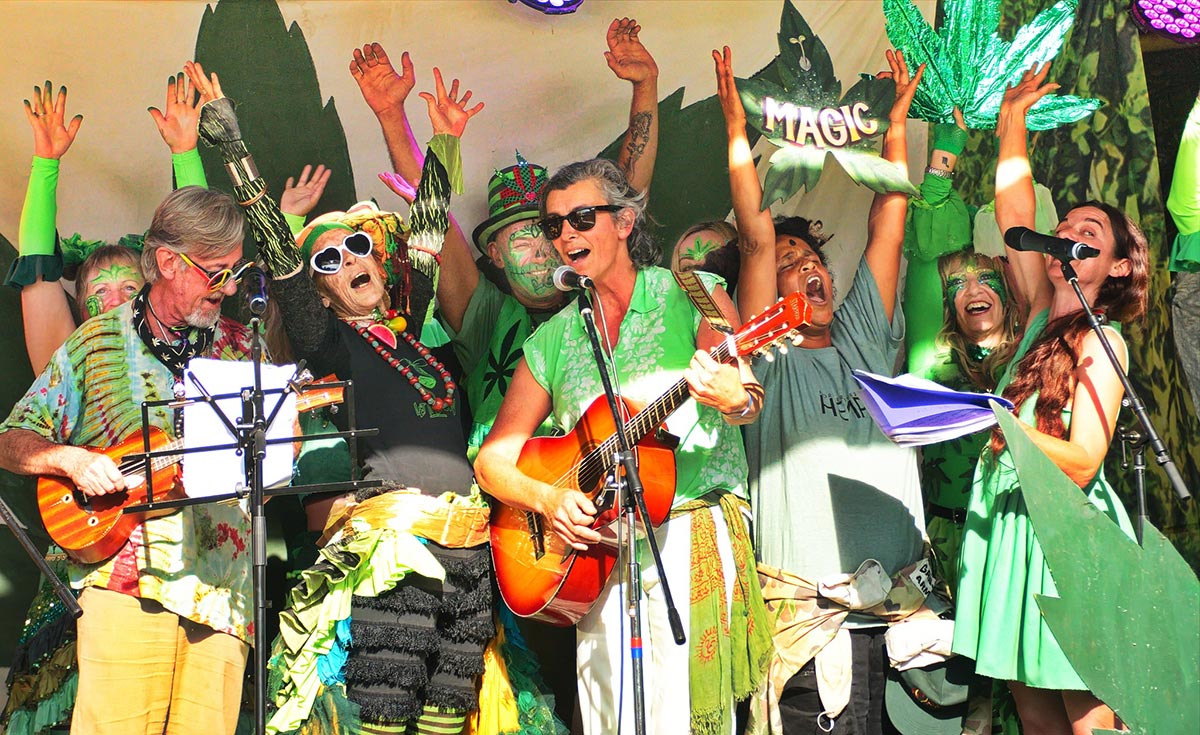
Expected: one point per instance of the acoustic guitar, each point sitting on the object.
(91, 529)
(538, 574)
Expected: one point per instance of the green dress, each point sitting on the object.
(998, 622)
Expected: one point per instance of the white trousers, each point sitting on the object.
(602, 659)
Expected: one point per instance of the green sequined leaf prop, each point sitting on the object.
(968, 65)
(1126, 616)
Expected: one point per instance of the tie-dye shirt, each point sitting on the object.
(196, 562)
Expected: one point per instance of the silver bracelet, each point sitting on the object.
(941, 173)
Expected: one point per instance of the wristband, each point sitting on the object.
(949, 137)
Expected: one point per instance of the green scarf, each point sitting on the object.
(727, 660)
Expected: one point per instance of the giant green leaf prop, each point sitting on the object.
(806, 115)
(1127, 617)
(968, 65)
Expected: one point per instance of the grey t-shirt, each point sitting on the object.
(828, 489)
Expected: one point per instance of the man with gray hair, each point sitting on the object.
(168, 617)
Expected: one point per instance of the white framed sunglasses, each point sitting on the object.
(329, 259)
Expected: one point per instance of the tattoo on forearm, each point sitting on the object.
(638, 139)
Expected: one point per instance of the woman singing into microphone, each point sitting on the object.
(1067, 395)
(653, 336)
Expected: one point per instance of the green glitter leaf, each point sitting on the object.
(968, 65)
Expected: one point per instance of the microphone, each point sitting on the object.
(1026, 240)
(256, 289)
(567, 279)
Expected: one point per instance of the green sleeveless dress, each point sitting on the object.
(997, 620)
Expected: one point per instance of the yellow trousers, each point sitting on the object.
(144, 670)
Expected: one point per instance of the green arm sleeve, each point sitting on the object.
(1184, 200)
(38, 258)
(937, 224)
(189, 170)
(922, 313)
(41, 208)
(295, 222)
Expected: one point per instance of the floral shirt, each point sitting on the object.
(656, 342)
(196, 561)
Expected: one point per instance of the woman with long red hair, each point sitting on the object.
(1067, 395)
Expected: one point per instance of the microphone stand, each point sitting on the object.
(61, 591)
(632, 501)
(1134, 401)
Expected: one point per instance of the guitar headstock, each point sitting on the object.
(782, 321)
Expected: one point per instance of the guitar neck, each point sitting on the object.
(157, 463)
(650, 417)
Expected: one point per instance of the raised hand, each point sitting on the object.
(731, 101)
(1026, 93)
(626, 55)
(399, 186)
(447, 114)
(381, 86)
(906, 86)
(179, 125)
(209, 88)
(301, 195)
(51, 137)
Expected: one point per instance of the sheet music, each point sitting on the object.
(220, 472)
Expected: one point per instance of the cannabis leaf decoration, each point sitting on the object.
(1125, 616)
(808, 119)
(968, 65)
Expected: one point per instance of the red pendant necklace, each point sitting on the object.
(384, 351)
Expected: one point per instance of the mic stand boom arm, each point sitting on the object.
(1134, 401)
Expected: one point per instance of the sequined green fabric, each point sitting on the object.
(968, 65)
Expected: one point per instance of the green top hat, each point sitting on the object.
(512, 196)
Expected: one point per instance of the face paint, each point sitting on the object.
(111, 287)
(987, 277)
(699, 250)
(529, 261)
(117, 272)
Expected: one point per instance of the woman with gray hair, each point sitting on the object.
(654, 336)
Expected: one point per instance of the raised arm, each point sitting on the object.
(1015, 204)
(757, 287)
(937, 224)
(179, 125)
(885, 223)
(630, 60)
(45, 313)
(448, 115)
(385, 92)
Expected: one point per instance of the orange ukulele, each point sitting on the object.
(539, 575)
(91, 529)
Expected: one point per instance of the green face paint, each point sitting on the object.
(111, 287)
(529, 263)
(698, 251)
(117, 272)
(986, 277)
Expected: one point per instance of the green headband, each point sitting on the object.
(306, 246)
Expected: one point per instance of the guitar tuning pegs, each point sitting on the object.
(797, 339)
(769, 357)
(783, 349)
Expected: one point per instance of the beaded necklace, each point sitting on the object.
(384, 351)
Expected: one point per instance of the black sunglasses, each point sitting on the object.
(582, 219)
(328, 260)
